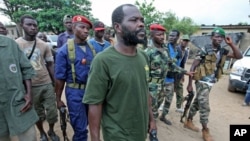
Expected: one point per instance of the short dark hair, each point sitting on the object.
(177, 31)
(118, 13)
(26, 16)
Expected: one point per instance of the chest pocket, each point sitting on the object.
(210, 64)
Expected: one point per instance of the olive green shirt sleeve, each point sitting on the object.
(175, 68)
(98, 82)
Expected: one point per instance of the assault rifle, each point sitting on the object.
(189, 99)
(63, 122)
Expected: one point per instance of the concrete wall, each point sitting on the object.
(245, 42)
(12, 31)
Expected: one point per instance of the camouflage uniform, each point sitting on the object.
(204, 85)
(160, 63)
(169, 87)
(178, 88)
(201, 100)
(178, 79)
(158, 59)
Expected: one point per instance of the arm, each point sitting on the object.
(152, 124)
(28, 96)
(49, 62)
(59, 86)
(94, 116)
(194, 65)
(236, 52)
(50, 67)
(27, 73)
(176, 68)
(60, 76)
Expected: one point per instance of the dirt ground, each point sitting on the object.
(225, 106)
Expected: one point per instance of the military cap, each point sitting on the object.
(185, 37)
(219, 30)
(67, 17)
(157, 27)
(98, 25)
(79, 18)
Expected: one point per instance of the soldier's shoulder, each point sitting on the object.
(61, 34)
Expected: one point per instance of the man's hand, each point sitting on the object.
(28, 103)
(190, 74)
(60, 104)
(228, 40)
(152, 125)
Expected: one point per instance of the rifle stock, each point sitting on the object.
(189, 99)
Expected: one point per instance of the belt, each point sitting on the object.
(156, 80)
(76, 85)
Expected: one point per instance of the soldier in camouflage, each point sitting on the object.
(208, 66)
(159, 65)
(158, 68)
(179, 78)
(174, 57)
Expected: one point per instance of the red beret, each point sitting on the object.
(157, 27)
(79, 18)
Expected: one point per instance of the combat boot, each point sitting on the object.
(189, 124)
(206, 135)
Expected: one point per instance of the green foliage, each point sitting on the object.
(48, 13)
(151, 15)
(242, 23)
(168, 19)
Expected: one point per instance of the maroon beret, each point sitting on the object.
(79, 18)
(157, 27)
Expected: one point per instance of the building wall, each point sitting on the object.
(12, 31)
(208, 31)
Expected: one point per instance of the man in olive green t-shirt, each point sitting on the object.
(117, 89)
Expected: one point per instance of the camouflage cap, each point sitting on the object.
(185, 37)
(219, 30)
(67, 18)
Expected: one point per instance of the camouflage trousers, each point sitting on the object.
(167, 97)
(178, 88)
(201, 102)
(155, 90)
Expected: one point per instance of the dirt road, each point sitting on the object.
(226, 109)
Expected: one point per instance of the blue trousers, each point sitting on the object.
(77, 113)
(247, 96)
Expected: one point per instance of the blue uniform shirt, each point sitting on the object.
(173, 54)
(63, 64)
(99, 47)
(62, 38)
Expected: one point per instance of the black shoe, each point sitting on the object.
(43, 137)
(163, 119)
(53, 136)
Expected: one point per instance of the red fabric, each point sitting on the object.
(79, 18)
(157, 27)
(98, 26)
